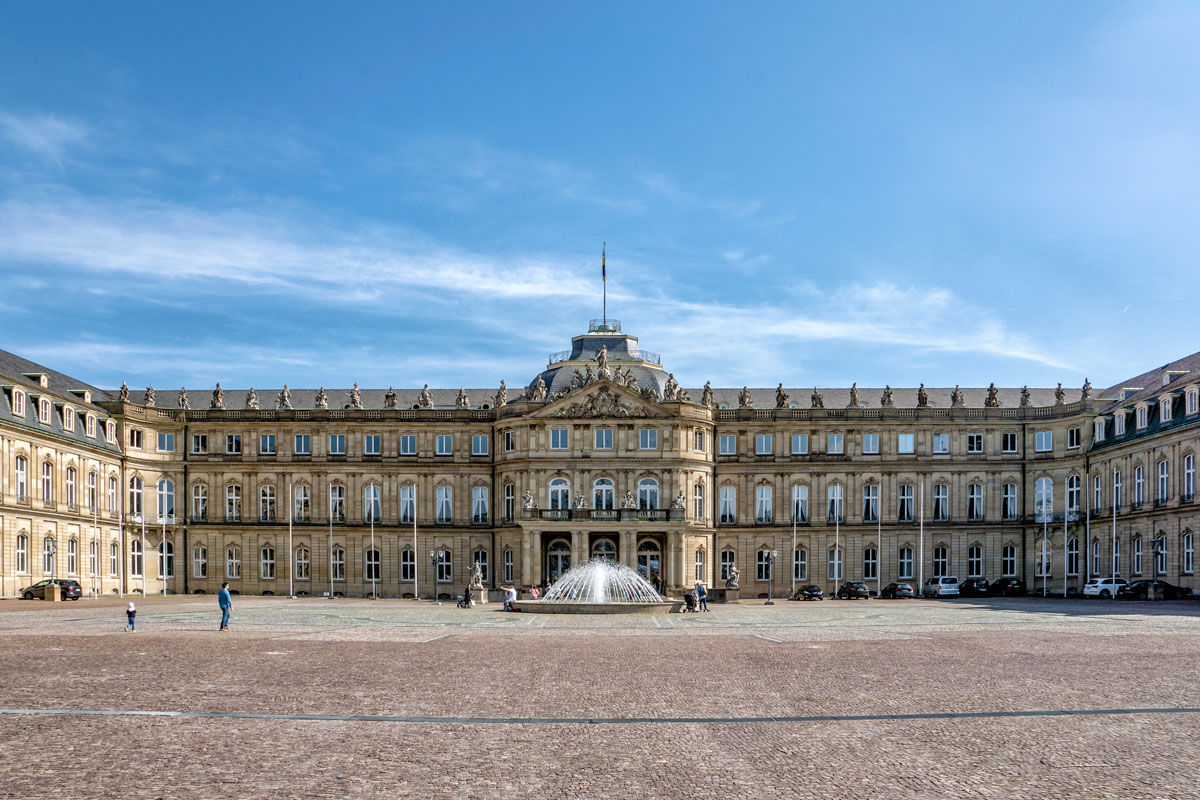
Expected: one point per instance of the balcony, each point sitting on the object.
(608, 514)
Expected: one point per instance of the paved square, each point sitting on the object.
(316, 698)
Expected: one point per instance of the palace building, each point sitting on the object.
(599, 455)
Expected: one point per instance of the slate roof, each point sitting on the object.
(1151, 382)
(59, 389)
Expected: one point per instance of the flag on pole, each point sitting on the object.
(603, 268)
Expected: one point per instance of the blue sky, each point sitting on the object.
(400, 194)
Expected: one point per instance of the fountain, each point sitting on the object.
(600, 587)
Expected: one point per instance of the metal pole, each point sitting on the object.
(1113, 554)
(163, 564)
(770, 576)
(838, 570)
(793, 544)
(331, 543)
(1045, 577)
(1066, 516)
(879, 545)
(95, 544)
(291, 554)
(378, 563)
(143, 516)
(921, 543)
(416, 591)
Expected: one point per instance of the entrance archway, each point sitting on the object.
(649, 561)
(558, 559)
(605, 549)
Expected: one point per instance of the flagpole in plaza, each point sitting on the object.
(331, 543)
(921, 543)
(378, 563)
(604, 281)
(95, 540)
(416, 588)
(879, 545)
(162, 565)
(291, 554)
(793, 546)
(1113, 554)
(143, 564)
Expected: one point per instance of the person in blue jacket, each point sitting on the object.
(226, 603)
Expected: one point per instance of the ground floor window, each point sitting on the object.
(763, 565)
(508, 566)
(800, 565)
(941, 561)
(870, 564)
(445, 566)
(371, 563)
(408, 565)
(906, 563)
(975, 561)
(1008, 561)
(480, 559)
(338, 562)
(700, 576)
(726, 563)
(233, 562)
(266, 563)
(303, 563)
(1072, 556)
(836, 569)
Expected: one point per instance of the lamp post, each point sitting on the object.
(774, 554)
(434, 557)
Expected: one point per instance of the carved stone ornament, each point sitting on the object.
(527, 502)
(322, 398)
(602, 363)
(285, 398)
(1026, 401)
(124, 392)
(956, 397)
(1086, 393)
(650, 393)
(922, 397)
(781, 397)
(817, 400)
(631, 380)
(476, 576)
(218, 398)
(183, 398)
(706, 398)
(151, 398)
(601, 403)
(576, 381)
(1060, 396)
(462, 401)
(425, 400)
(252, 398)
(734, 573)
(537, 392)
(678, 502)
(588, 376)
(744, 399)
(391, 399)
(580, 502)
(853, 396)
(993, 397)
(501, 396)
(889, 399)
(627, 501)
(355, 397)
(672, 387)
(682, 396)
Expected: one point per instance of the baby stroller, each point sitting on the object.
(464, 600)
(689, 600)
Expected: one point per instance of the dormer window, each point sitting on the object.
(43, 411)
(42, 379)
(18, 403)
(110, 432)
(68, 418)
(1119, 424)
(1099, 434)
(1164, 410)
(1141, 417)
(91, 425)
(1193, 401)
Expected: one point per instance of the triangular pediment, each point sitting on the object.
(602, 400)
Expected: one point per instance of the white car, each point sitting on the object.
(945, 586)
(1103, 587)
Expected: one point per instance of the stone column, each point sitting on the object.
(579, 554)
(535, 577)
(526, 557)
(628, 548)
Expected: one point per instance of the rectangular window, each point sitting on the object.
(508, 566)
(372, 444)
(728, 505)
(1141, 417)
(728, 444)
(799, 444)
(303, 444)
(870, 443)
(1164, 410)
(337, 444)
(479, 444)
(445, 504)
(727, 562)
(266, 444)
(1119, 424)
(870, 503)
(763, 566)
(1116, 488)
(1097, 493)
(1009, 501)
(603, 439)
(233, 444)
(800, 565)
(904, 509)
(975, 443)
(408, 566)
(835, 444)
(698, 441)
(408, 503)
(1193, 401)
(763, 505)
(941, 502)
(479, 505)
(166, 443)
(905, 444)
(1098, 430)
(906, 563)
(941, 443)
(1189, 478)
(1008, 442)
(648, 438)
(18, 403)
(764, 444)
(408, 444)
(510, 501)
(975, 502)
(1043, 441)
(445, 444)
(1072, 438)
(199, 443)
(135, 438)
(559, 439)
(510, 442)
(91, 426)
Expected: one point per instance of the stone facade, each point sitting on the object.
(278, 498)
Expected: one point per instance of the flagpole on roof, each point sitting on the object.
(604, 281)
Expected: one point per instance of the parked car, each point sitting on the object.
(67, 590)
(810, 591)
(945, 586)
(974, 587)
(898, 590)
(851, 590)
(1007, 587)
(1141, 590)
(1103, 587)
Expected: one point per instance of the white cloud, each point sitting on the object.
(45, 134)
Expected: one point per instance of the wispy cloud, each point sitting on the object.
(45, 134)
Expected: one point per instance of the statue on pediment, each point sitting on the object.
(391, 399)
(631, 380)
(672, 387)
(461, 400)
(781, 397)
(322, 399)
(922, 397)
(425, 399)
(993, 397)
(355, 397)
(889, 399)
(1026, 399)
(650, 393)
(744, 398)
(124, 394)
(1060, 396)
(285, 398)
(589, 376)
(183, 398)
(537, 392)
(218, 399)
(1086, 393)
(817, 400)
(853, 396)
(252, 399)
(602, 363)
(576, 381)
(151, 398)
(682, 396)
(501, 395)
(706, 397)
(956, 397)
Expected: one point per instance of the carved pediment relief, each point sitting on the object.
(602, 399)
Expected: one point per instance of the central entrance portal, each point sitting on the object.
(558, 559)
(649, 561)
(604, 549)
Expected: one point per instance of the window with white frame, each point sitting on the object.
(560, 438)
(763, 505)
(479, 444)
(233, 444)
(408, 444)
(870, 563)
(904, 502)
(372, 503)
(648, 438)
(728, 498)
(337, 503)
(835, 444)
(1188, 554)
(72, 557)
(1160, 555)
(199, 561)
(728, 444)
(698, 440)
(166, 501)
(21, 474)
(444, 571)
(1073, 438)
(647, 494)
(1163, 481)
(1193, 401)
(18, 403)
(303, 563)
(112, 494)
(337, 563)
(603, 439)
(1097, 493)
(1008, 501)
(68, 418)
(266, 563)
(479, 505)
(136, 558)
(1043, 441)
(1137, 555)
(199, 502)
(870, 444)
(71, 488)
(604, 494)
(1008, 560)
(233, 503)
(408, 503)
(906, 444)
(303, 444)
(266, 504)
(337, 444)
(373, 444)
(1073, 556)
(941, 443)
(975, 443)
(799, 444)
(510, 441)
(905, 564)
(763, 565)
(835, 568)
(799, 564)
(764, 444)
(44, 411)
(445, 504)
(1116, 488)
(408, 565)
(444, 444)
(1164, 409)
(1139, 486)
(136, 497)
(371, 565)
(266, 444)
(507, 575)
(974, 561)
(800, 504)
(510, 502)
(166, 559)
(1043, 500)
(114, 559)
(835, 508)
(1119, 423)
(93, 558)
(941, 502)
(301, 503)
(941, 561)
(91, 426)
(1095, 553)
(975, 502)
(166, 443)
(560, 494)
(1141, 417)
(699, 504)
(727, 562)
(1189, 478)
(1074, 499)
(92, 491)
(870, 504)
(110, 432)
(1098, 430)
(47, 483)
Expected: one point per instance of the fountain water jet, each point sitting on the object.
(600, 587)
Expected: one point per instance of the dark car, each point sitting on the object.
(898, 590)
(810, 591)
(851, 590)
(1007, 587)
(1142, 590)
(67, 590)
(974, 587)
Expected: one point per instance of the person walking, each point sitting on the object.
(226, 602)
(701, 596)
(131, 615)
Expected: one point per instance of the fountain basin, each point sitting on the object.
(541, 607)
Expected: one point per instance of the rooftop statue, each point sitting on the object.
(355, 397)
(744, 399)
(462, 401)
(576, 381)
(1025, 398)
(285, 398)
(151, 399)
(425, 400)
(322, 399)
(252, 398)
(888, 400)
(589, 376)
(956, 397)
(391, 399)
(1060, 396)
(602, 363)
(682, 396)
(672, 387)
(993, 397)
(817, 400)
(183, 398)
(501, 396)
(631, 380)
(538, 390)
(781, 397)
(1087, 390)
(853, 396)
(922, 397)
(218, 398)
(706, 398)
(650, 393)
(124, 395)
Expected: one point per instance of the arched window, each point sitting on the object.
(337, 503)
(22, 478)
(112, 494)
(72, 557)
(558, 559)
(233, 503)
(199, 561)
(941, 561)
(1116, 556)
(135, 558)
(136, 492)
(836, 567)
(604, 494)
(445, 505)
(72, 499)
(337, 562)
(266, 504)
(1073, 556)
(870, 563)
(199, 502)
(1043, 500)
(301, 503)
(836, 506)
(1073, 497)
(974, 561)
(648, 493)
(764, 505)
(372, 502)
(166, 501)
(604, 549)
(728, 505)
(47, 483)
(166, 559)
(701, 575)
(1137, 555)
(727, 562)
(303, 561)
(94, 558)
(800, 504)
(560, 494)
(233, 561)
(266, 563)
(800, 564)
(649, 558)
(371, 565)
(698, 503)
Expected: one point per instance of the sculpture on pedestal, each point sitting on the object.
(218, 399)
(781, 397)
(425, 400)
(252, 399)
(285, 398)
(322, 399)
(355, 397)
(151, 399)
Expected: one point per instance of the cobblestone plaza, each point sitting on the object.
(1005, 698)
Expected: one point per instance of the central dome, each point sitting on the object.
(623, 353)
